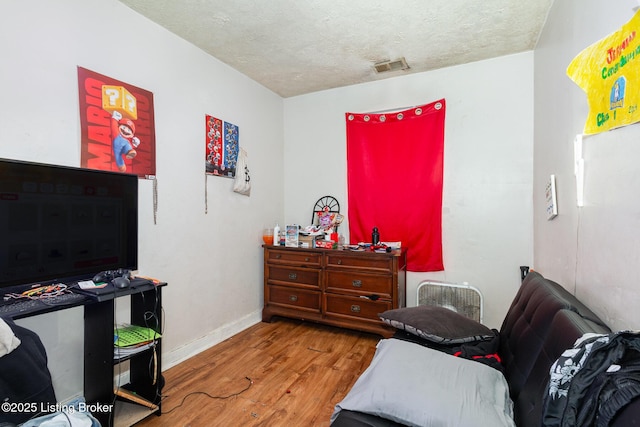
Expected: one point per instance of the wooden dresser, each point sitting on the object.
(335, 287)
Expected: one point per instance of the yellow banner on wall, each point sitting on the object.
(609, 72)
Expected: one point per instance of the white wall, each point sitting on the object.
(487, 206)
(204, 257)
(592, 250)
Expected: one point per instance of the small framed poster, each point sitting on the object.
(291, 236)
(551, 199)
(222, 146)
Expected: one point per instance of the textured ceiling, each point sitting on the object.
(295, 47)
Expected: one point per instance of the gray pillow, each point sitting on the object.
(419, 386)
(437, 324)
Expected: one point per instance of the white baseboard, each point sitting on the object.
(173, 357)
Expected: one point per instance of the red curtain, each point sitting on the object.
(394, 174)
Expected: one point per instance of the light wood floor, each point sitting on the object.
(298, 372)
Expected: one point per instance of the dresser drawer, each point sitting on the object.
(284, 275)
(362, 308)
(359, 284)
(307, 259)
(294, 297)
(355, 260)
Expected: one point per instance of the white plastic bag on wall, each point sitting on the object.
(242, 181)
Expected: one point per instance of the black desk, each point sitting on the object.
(99, 321)
(99, 363)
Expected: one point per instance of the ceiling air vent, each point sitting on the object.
(398, 64)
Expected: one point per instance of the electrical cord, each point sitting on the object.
(193, 393)
(148, 318)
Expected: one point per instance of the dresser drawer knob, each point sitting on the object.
(357, 283)
(355, 308)
(339, 262)
(307, 259)
(278, 256)
(293, 276)
(293, 298)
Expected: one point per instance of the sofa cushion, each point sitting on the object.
(437, 324)
(527, 324)
(565, 328)
(544, 319)
(419, 386)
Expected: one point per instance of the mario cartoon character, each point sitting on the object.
(123, 140)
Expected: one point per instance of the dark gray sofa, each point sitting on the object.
(543, 321)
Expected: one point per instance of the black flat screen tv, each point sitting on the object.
(61, 223)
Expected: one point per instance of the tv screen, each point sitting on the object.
(60, 222)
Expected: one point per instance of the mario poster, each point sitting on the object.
(117, 125)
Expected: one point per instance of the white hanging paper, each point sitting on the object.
(242, 180)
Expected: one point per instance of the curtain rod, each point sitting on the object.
(391, 109)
